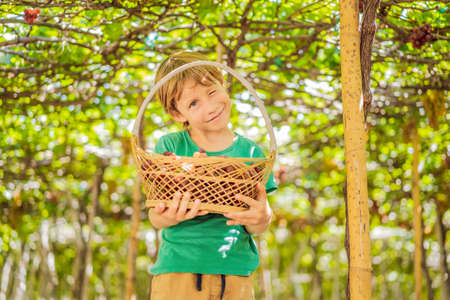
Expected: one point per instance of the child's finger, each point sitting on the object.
(174, 204)
(242, 221)
(200, 154)
(261, 192)
(183, 206)
(234, 222)
(247, 200)
(160, 208)
(194, 210)
(230, 223)
(238, 215)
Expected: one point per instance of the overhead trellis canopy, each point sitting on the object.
(86, 48)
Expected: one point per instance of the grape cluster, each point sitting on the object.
(420, 36)
(31, 15)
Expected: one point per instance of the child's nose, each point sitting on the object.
(212, 107)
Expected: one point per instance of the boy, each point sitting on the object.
(204, 255)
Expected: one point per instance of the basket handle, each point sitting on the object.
(259, 103)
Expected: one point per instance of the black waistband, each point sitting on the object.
(199, 284)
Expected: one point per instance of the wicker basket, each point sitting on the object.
(214, 180)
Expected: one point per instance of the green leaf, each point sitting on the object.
(113, 31)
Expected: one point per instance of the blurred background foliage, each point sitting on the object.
(70, 85)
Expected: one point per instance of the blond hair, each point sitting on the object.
(170, 92)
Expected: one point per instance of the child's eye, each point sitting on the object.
(212, 92)
(193, 103)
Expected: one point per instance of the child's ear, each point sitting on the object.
(177, 116)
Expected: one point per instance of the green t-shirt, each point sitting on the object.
(206, 244)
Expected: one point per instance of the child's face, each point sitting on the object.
(206, 108)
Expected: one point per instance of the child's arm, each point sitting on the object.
(257, 218)
(162, 216)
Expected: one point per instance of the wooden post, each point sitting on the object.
(417, 217)
(360, 267)
(96, 190)
(130, 280)
(130, 285)
(441, 233)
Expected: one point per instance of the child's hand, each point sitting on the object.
(200, 153)
(162, 216)
(257, 218)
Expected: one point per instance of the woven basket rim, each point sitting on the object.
(138, 152)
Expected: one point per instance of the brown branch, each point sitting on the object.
(303, 9)
(402, 34)
(20, 54)
(413, 1)
(34, 102)
(88, 4)
(312, 72)
(29, 70)
(277, 38)
(51, 25)
(218, 37)
(424, 60)
(442, 37)
(16, 95)
(368, 31)
(245, 25)
(427, 87)
(291, 24)
(189, 38)
(33, 39)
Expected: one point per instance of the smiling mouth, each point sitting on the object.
(216, 116)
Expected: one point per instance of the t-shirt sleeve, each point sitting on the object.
(271, 185)
(164, 144)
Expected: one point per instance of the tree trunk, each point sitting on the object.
(383, 284)
(316, 282)
(5, 275)
(262, 268)
(368, 30)
(355, 154)
(92, 211)
(48, 280)
(219, 47)
(273, 290)
(336, 272)
(78, 265)
(425, 270)
(417, 218)
(21, 286)
(398, 294)
(293, 268)
(130, 287)
(82, 264)
(33, 268)
(443, 266)
(155, 258)
(263, 280)
(106, 278)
